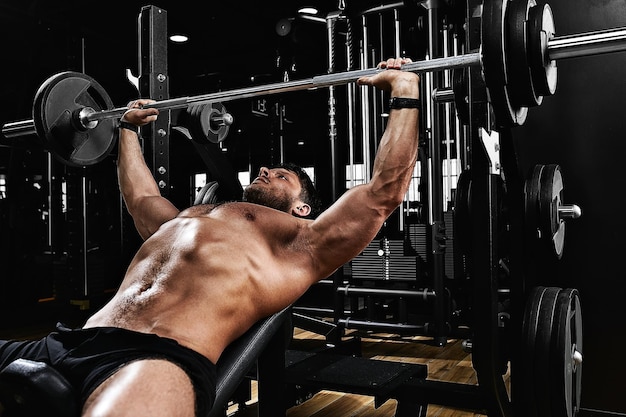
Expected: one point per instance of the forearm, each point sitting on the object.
(397, 153)
(134, 177)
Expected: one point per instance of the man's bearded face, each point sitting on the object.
(266, 197)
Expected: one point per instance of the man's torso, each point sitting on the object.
(206, 276)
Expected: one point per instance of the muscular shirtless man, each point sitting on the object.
(206, 274)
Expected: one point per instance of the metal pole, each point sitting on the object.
(331, 20)
(351, 95)
(365, 99)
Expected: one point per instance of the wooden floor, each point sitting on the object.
(449, 363)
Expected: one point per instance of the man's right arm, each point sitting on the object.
(345, 228)
(139, 189)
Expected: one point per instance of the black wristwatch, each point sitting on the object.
(125, 125)
(404, 103)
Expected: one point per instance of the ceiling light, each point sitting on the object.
(308, 10)
(179, 38)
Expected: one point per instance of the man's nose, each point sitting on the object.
(264, 172)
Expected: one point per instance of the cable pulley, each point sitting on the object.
(73, 115)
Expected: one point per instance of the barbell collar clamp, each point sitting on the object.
(82, 121)
(443, 95)
(220, 120)
(19, 128)
(571, 211)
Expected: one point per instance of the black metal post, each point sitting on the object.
(487, 349)
(271, 378)
(154, 83)
(436, 220)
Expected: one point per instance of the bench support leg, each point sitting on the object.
(271, 378)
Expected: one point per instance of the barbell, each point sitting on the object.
(77, 122)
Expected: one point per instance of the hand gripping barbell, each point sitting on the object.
(74, 116)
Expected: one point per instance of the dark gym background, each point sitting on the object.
(581, 128)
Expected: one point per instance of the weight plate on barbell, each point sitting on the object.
(566, 355)
(550, 197)
(463, 211)
(201, 120)
(461, 94)
(493, 29)
(540, 30)
(55, 115)
(520, 83)
(217, 132)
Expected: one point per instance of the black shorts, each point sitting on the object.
(87, 357)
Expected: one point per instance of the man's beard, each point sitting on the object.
(262, 196)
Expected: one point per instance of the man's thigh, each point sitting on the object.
(148, 387)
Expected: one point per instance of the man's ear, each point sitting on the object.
(301, 210)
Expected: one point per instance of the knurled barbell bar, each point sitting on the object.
(75, 118)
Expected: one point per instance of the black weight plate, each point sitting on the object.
(200, 196)
(529, 336)
(578, 379)
(462, 211)
(215, 134)
(494, 64)
(199, 121)
(208, 194)
(461, 95)
(540, 30)
(567, 339)
(550, 197)
(37, 110)
(55, 106)
(531, 205)
(542, 364)
(521, 89)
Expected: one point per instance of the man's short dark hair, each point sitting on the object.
(308, 194)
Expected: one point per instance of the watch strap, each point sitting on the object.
(125, 125)
(404, 103)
